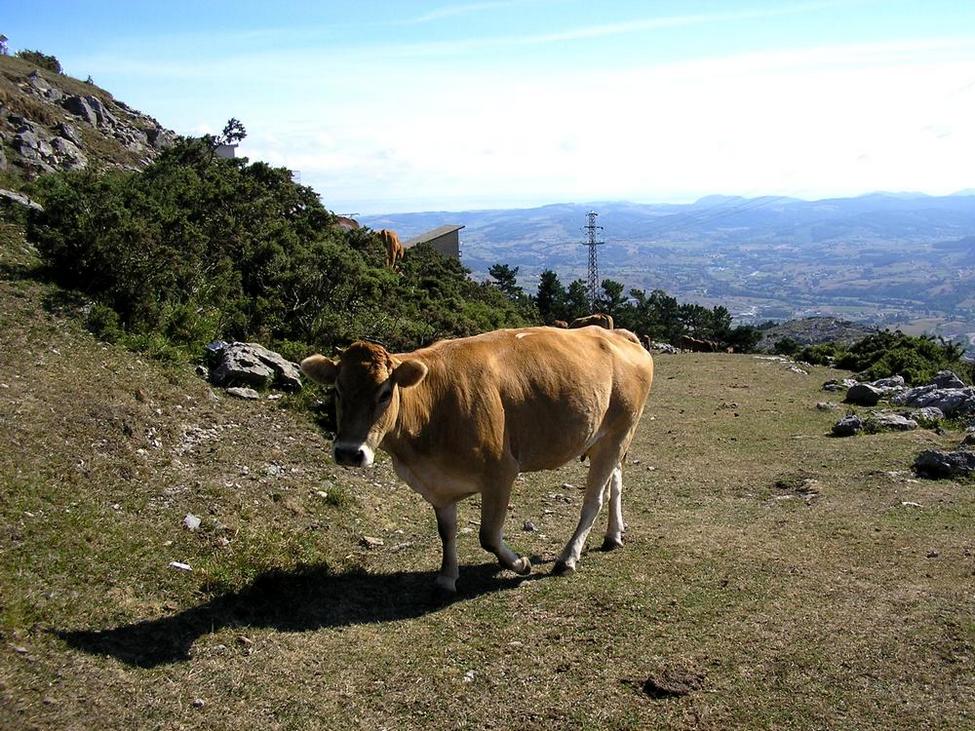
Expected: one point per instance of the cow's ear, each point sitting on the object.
(319, 368)
(409, 373)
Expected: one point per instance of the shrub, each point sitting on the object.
(820, 354)
(916, 358)
(41, 60)
(198, 247)
(786, 346)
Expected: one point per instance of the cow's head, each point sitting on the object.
(367, 380)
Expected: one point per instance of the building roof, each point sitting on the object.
(432, 234)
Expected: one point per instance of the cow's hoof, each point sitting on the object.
(523, 566)
(611, 544)
(446, 586)
(563, 567)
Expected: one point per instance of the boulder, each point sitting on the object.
(947, 379)
(69, 133)
(928, 416)
(32, 146)
(80, 107)
(20, 199)
(848, 426)
(67, 154)
(252, 365)
(936, 464)
(886, 383)
(103, 117)
(951, 401)
(889, 421)
(864, 394)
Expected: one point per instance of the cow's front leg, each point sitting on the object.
(494, 509)
(447, 528)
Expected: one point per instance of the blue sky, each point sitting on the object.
(398, 106)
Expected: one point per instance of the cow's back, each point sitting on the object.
(540, 396)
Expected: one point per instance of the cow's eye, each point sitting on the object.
(385, 396)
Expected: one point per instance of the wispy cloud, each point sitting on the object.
(450, 11)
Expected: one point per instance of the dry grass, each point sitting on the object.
(773, 571)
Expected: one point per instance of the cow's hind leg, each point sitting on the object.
(603, 464)
(447, 528)
(494, 509)
(614, 533)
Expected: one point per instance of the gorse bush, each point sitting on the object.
(916, 358)
(198, 247)
(41, 60)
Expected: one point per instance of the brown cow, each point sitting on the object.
(345, 223)
(466, 416)
(599, 318)
(698, 345)
(394, 249)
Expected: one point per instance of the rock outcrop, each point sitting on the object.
(947, 392)
(52, 122)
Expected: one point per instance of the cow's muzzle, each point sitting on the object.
(353, 455)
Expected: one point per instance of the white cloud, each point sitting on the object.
(816, 122)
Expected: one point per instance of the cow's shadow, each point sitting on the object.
(305, 599)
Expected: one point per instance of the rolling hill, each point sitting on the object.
(889, 259)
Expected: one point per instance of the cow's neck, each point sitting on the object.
(412, 419)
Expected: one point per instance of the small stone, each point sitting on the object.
(910, 504)
(529, 527)
(827, 405)
(244, 393)
(274, 396)
(469, 676)
(322, 494)
(848, 426)
(569, 486)
(370, 542)
(191, 522)
(934, 553)
(180, 566)
(198, 703)
(245, 640)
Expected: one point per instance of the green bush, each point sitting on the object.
(198, 247)
(820, 354)
(916, 358)
(42, 60)
(786, 346)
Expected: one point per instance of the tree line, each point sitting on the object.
(655, 315)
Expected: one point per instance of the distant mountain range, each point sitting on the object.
(892, 259)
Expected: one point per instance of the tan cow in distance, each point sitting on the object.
(394, 249)
(560, 323)
(465, 417)
(346, 224)
(600, 319)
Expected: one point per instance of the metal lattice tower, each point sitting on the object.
(590, 228)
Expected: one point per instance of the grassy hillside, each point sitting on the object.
(775, 571)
